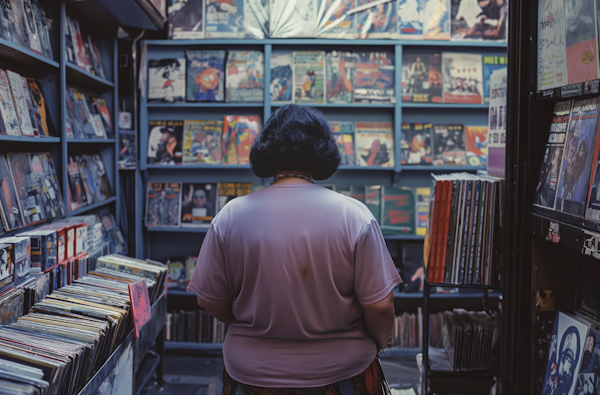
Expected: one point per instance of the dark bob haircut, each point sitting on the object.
(295, 138)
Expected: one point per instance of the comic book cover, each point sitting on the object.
(30, 26)
(245, 77)
(166, 80)
(309, 76)
(449, 145)
(573, 182)
(475, 20)
(491, 64)
(46, 176)
(101, 108)
(163, 204)
(545, 191)
(410, 19)
(374, 142)
(42, 27)
(19, 20)
(415, 77)
(127, 149)
(9, 114)
(398, 208)
(377, 21)
(96, 57)
(30, 106)
(205, 75)
(224, 19)
(567, 344)
(374, 78)
(99, 176)
(477, 149)
(416, 144)
(256, 19)
(202, 142)
(186, 19)
(12, 218)
(333, 19)
(243, 131)
(462, 77)
(199, 204)
(41, 111)
(8, 25)
(20, 103)
(230, 190)
(281, 78)
(28, 192)
(436, 17)
(344, 137)
(292, 19)
(165, 143)
(339, 77)
(552, 49)
(423, 196)
(581, 41)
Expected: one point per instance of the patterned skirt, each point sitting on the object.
(365, 383)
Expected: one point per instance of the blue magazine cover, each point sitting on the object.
(374, 78)
(377, 21)
(571, 194)
(410, 19)
(205, 74)
(281, 78)
(225, 19)
(491, 64)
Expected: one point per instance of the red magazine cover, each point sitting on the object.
(140, 305)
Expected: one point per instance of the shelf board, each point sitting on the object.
(197, 167)
(18, 55)
(376, 168)
(403, 237)
(324, 41)
(79, 76)
(204, 104)
(93, 206)
(340, 105)
(446, 105)
(164, 229)
(27, 139)
(179, 292)
(440, 168)
(555, 229)
(90, 141)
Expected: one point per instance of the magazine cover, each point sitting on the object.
(12, 218)
(245, 77)
(256, 19)
(163, 204)
(374, 143)
(565, 355)
(165, 142)
(28, 193)
(97, 171)
(166, 80)
(243, 130)
(9, 114)
(20, 103)
(199, 204)
(101, 108)
(86, 179)
(398, 210)
(477, 150)
(202, 142)
(77, 196)
(423, 196)
(205, 74)
(8, 25)
(230, 190)
(463, 78)
(42, 113)
(581, 41)
(344, 137)
(30, 106)
(186, 19)
(415, 77)
(545, 191)
(224, 19)
(31, 26)
(334, 21)
(292, 18)
(436, 17)
(416, 145)
(19, 20)
(42, 25)
(281, 78)
(127, 149)
(339, 77)
(49, 184)
(478, 20)
(75, 118)
(410, 19)
(552, 49)
(374, 78)
(574, 178)
(309, 76)
(491, 64)
(376, 21)
(449, 145)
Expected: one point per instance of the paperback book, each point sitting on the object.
(340, 77)
(163, 204)
(436, 20)
(334, 21)
(552, 49)
(205, 75)
(281, 78)
(410, 19)
(166, 80)
(224, 19)
(242, 130)
(476, 138)
(12, 218)
(449, 145)
(416, 144)
(344, 137)
(165, 142)
(202, 142)
(377, 21)
(245, 76)
(421, 78)
(398, 210)
(491, 64)
(462, 77)
(28, 191)
(199, 204)
(581, 41)
(374, 144)
(186, 19)
(309, 76)
(9, 115)
(230, 190)
(374, 78)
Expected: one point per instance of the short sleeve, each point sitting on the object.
(375, 272)
(209, 281)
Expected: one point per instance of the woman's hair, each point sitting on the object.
(295, 138)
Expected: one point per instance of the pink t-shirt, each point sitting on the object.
(297, 259)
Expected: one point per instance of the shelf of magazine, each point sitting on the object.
(93, 206)
(27, 139)
(324, 41)
(203, 105)
(81, 76)
(445, 105)
(442, 168)
(14, 53)
(341, 105)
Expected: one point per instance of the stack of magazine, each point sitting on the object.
(88, 181)
(87, 117)
(25, 23)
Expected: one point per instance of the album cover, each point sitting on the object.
(374, 78)
(165, 143)
(163, 204)
(205, 75)
(462, 78)
(309, 76)
(28, 192)
(202, 142)
(186, 19)
(224, 19)
(449, 145)
(374, 144)
(166, 80)
(333, 19)
(12, 218)
(245, 77)
(199, 204)
(344, 137)
(339, 77)
(477, 150)
(410, 19)
(377, 21)
(281, 78)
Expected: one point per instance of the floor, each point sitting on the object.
(199, 372)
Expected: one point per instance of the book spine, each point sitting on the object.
(473, 231)
(451, 231)
(436, 201)
(446, 225)
(480, 226)
(465, 231)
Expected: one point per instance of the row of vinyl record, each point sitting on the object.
(88, 181)
(463, 239)
(24, 23)
(343, 19)
(69, 334)
(88, 117)
(322, 77)
(23, 108)
(81, 49)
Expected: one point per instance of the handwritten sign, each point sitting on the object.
(552, 48)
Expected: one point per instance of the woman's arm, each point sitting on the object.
(221, 311)
(379, 318)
